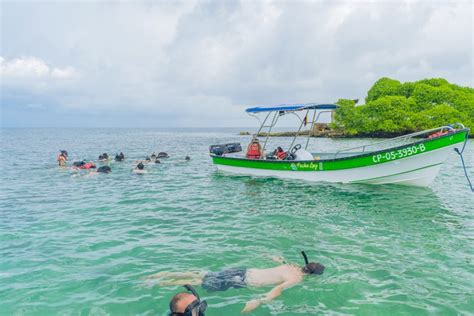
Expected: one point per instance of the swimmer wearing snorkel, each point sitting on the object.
(283, 276)
(140, 168)
(62, 158)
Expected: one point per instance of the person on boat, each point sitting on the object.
(62, 158)
(280, 153)
(153, 155)
(147, 159)
(254, 149)
(440, 133)
(283, 276)
(187, 304)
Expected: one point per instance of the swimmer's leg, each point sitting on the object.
(177, 275)
(180, 282)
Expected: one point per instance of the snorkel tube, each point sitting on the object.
(311, 267)
(306, 261)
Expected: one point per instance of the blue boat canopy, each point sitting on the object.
(292, 107)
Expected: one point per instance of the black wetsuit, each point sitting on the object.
(224, 279)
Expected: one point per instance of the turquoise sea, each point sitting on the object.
(73, 244)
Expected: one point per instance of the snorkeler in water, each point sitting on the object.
(62, 158)
(104, 157)
(104, 169)
(140, 168)
(83, 164)
(119, 157)
(187, 303)
(162, 154)
(283, 276)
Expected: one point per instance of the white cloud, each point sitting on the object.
(33, 68)
(160, 57)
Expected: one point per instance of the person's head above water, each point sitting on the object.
(312, 267)
(104, 169)
(187, 304)
(140, 166)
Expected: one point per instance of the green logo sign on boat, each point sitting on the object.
(313, 166)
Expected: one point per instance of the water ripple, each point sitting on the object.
(73, 244)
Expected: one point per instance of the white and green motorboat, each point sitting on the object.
(412, 159)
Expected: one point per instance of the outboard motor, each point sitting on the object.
(233, 147)
(219, 150)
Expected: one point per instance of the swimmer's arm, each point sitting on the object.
(275, 292)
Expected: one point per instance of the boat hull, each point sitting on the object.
(418, 167)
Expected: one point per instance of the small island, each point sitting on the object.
(393, 108)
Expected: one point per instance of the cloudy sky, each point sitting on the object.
(201, 63)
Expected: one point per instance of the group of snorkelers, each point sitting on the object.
(153, 158)
(282, 277)
(105, 158)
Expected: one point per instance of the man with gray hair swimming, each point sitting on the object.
(283, 276)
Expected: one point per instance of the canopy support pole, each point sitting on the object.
(311, 130)
(298, 132)
(261, 126)
(274, 121)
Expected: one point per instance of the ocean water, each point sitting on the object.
(78, 244)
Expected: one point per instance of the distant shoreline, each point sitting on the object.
(333, 134)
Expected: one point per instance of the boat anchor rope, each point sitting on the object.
(459, 152)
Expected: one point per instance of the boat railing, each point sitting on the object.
(392, 142)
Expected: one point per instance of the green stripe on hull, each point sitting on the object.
(371, 159)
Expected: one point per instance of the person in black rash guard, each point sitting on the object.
(283, 276)
(120, 157)
(104, 169)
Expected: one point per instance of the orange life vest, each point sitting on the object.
(281, 155)
(88, 165)
(437, 134)
(253, 151)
